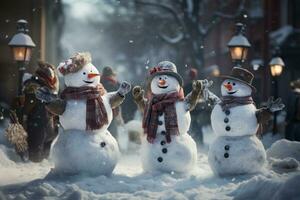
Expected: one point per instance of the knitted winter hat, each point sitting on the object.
(75, 63)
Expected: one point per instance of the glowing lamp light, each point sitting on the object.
(276, 66)
(239, 45)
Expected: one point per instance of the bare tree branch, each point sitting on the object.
(218, 15)
(174, 13)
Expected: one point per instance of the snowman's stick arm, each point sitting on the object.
(141, 103)
(57, 106)
(138, 97)
(192, 99)
(263, 115)
(115, 99)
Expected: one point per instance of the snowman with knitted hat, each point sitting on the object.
(85, 112)
(235, 121)
(166, 145)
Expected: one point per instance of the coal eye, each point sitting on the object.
(233, 83)
(159, 78)
(84, 73)
(228, 82)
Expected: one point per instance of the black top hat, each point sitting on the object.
(165, 68)
(242, 75)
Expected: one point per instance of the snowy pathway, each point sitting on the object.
(129, 182)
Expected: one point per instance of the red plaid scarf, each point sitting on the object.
(228, 102)
(162, 103)
(96, 115)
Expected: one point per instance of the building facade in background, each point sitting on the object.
(45, 20)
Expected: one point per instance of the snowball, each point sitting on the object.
(284, 148)
(285, 165)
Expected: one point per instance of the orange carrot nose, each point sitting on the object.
(92, 75)
(228, 87)
(162, 82)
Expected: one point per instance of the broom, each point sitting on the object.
(16, 135)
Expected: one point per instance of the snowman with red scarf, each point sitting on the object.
(235, 121)
(85, 111)
(166, 119)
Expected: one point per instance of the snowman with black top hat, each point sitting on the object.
(235, 120)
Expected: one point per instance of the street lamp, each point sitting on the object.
(21, 45)
(276, 66)
(239, 45)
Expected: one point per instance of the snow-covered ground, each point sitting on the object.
(280, 180)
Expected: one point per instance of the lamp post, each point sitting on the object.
(276, 66)
(21, 45)
(239, 45)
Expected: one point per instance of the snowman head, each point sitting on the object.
(78, 71)
(164, 84)
(238, 83)
(231, 87)
(164, 78)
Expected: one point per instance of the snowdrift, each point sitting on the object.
(129, 182)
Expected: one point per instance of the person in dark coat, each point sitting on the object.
(110, 83)
(40, 124)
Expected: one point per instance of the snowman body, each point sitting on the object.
(236, 149)
(234, 155)
(179, 155)
(236, 121)
(77, 150)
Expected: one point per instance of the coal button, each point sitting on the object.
(163, 132)
(164, 150)
(160, 113)
(162, 143)
(226, 155)
(227, 128)
(159, 159)
(102, 144)
(160, 122)
(227, 112)
(227, 147)
(226, 120)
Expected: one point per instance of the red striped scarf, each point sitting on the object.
(158, 104)
(96, 115)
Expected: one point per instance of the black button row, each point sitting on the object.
(226, 154)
